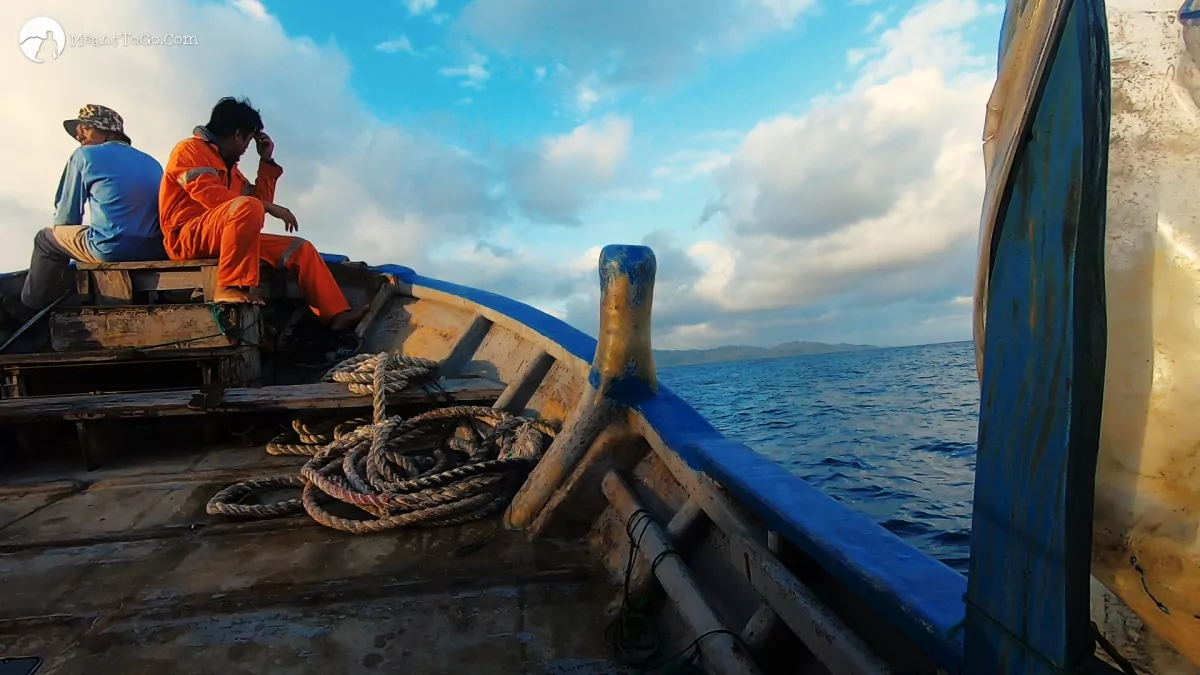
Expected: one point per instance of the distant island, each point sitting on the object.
(664, 358)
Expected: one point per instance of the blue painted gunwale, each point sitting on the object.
(918, 595)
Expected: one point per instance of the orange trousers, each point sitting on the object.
(233, 233)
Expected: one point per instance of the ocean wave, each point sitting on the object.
(890, 432)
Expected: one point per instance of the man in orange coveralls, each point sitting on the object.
(209, 209)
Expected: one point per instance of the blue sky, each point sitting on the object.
(804, 169)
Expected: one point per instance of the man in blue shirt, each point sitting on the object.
(119, 185)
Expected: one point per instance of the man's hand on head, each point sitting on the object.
(289, 221)
(265, 146)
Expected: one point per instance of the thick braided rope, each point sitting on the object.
(305, 440)
(443, 467)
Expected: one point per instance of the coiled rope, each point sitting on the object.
(443, 467)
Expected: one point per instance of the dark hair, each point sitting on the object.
(230, 115)
(116, 136)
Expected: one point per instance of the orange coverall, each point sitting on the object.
(208, 210)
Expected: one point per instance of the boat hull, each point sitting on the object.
(638, 505)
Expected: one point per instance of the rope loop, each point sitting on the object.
(447, 466)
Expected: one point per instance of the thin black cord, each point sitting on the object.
(618, 634)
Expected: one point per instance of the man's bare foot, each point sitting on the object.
(239, 296)
(347, 319)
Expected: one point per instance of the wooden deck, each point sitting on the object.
(122, 570)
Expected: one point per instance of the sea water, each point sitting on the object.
(888, 432)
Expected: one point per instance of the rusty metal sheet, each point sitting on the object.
(1147, 520)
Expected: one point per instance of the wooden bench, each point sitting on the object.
(78, 372)
(97, 416)
(116, 283)
(120, 283)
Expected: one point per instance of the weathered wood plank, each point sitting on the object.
(521, 389)
(168, 280)
(152, 327)
(9, 363)
(148, 264)
(378, 303)
(242, 369)
(274, 282)
(808, 618)
(466, 346)
(112, 287)
(99, 440)
(325, 395)
(208, 282)
(837, 647)
(83, 284)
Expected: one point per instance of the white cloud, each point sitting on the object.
(564, 173)
(877, 19)
(930, 36)
(861, 212)
(474, 73)
(630, 42)
(866, 187)
(400, 44)
(252, 8)
(685, 165)
(358, 186)
(586, 97)
(786, 11)
(539, 73)
(420, 6)
(631, 195)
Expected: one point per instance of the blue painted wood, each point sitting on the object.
(634, 268)
(1043, 375)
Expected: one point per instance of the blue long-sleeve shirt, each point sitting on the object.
(119, 184)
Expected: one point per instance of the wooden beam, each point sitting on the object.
(590, 416)
(826, 635)
(152, 327)
(99, 440)
(622, 374)
(168, 280)
(378, 304)
(682, 531)
(518, 392)
(465, 347)
(722, 654)
(326, 395)
(837, 647)
(147, 265)
(9, 363)
(208, 282)
(758, 628)
(112, 287)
